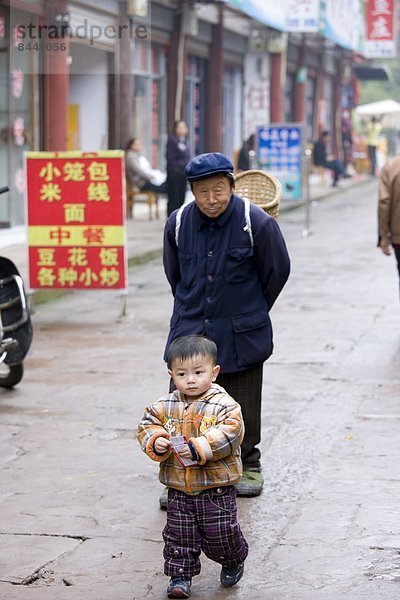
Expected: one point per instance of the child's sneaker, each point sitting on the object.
(179, 587)
(231, 575)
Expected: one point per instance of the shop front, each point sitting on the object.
(88, 99)
(19, 89)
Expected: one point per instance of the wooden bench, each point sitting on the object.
(323, 174)
(135, 195)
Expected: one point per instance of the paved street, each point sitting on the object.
(79, 500)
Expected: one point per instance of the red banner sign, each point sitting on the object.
(380, 29)
(76, 220)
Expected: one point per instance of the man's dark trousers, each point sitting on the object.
(246, 388)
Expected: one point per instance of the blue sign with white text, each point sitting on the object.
(280, 152)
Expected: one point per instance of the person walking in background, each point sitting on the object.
(177, 158)
(194, 433)
(321, 158)
(139, 170)
(227, 262)
(373, 130)
(389, 208)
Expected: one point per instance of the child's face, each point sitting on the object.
(194, 376)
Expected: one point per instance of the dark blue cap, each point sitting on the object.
(207, 165)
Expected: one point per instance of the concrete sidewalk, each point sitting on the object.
(144, 236)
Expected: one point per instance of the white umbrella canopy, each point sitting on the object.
(382, 107)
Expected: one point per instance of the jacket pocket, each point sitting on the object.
(253, 338)
(188, 267)
(239, 265)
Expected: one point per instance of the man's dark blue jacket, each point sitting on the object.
(222, 285)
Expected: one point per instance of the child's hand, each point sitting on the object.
(185, 452)
(161, 445)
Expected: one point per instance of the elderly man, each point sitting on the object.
(389, 208)
(226, 262)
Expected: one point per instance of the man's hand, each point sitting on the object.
(385, 248)
(161, 445)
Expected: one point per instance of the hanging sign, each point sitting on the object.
(302, 15)
(380, 29)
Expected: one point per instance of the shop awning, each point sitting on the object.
(366, 72)
(268, 12)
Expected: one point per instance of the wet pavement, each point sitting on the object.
(79, 500)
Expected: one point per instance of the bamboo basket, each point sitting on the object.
(261, 189)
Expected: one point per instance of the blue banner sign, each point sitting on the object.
(280, 150)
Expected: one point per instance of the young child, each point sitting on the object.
(200, 468)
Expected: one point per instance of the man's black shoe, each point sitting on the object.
(231, 575)
(179, 587)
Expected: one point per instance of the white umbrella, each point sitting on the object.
(382, 107)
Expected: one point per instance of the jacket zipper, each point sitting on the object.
(187, 469)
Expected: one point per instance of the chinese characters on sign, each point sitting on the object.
(302, 15)
(342, 22)
(76, 232)
(280, 152)
(380, 29)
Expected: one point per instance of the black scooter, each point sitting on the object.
(15, 322)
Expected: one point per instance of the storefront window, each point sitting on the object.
(195, 102)
(4, 162)
(4, 118)
(149, 98)
(17, 113)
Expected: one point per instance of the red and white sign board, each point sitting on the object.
(76, 220)
(380, 39)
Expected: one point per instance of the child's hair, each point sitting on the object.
(189, 346)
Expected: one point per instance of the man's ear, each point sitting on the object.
(170, 372)
(216, 370)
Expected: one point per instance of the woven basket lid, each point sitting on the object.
(260, 188)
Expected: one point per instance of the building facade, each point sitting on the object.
(122, 69)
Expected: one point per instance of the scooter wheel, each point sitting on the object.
(10, 375)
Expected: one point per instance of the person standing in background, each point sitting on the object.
(245, 158)
(373, 131)
(177, 158)
(389, 208)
